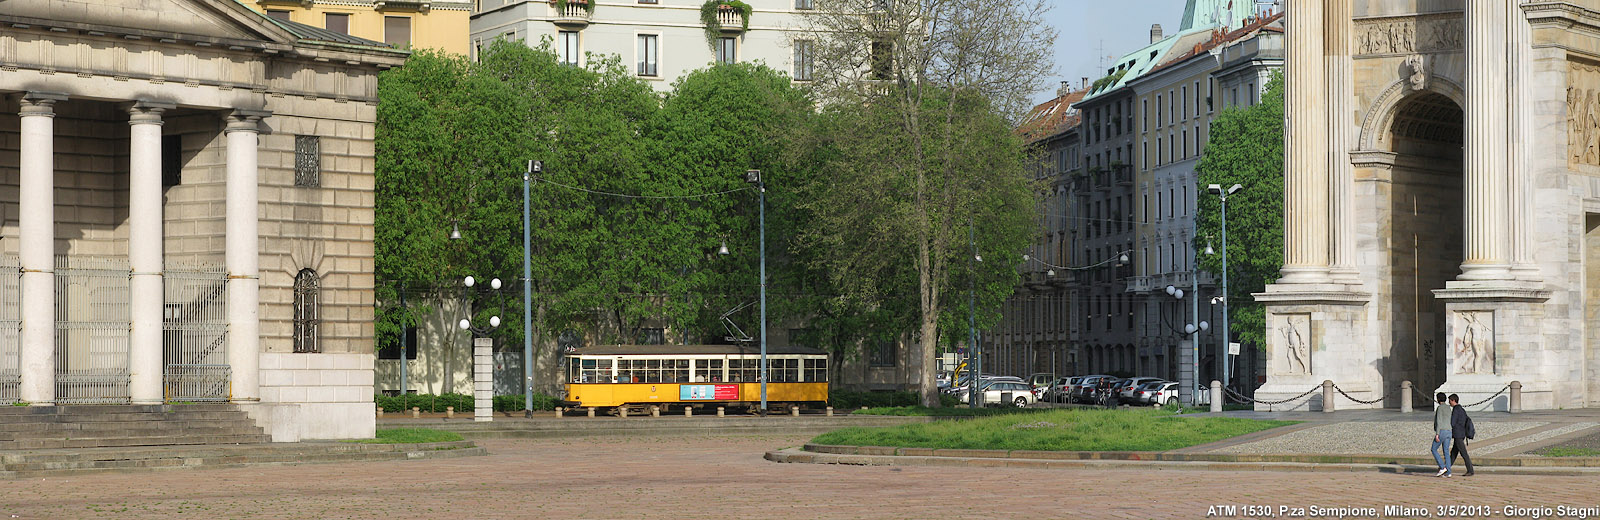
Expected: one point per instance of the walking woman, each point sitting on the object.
(1441, 435)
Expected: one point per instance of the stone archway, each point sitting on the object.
(1425, 231)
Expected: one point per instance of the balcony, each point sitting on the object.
(573, 14)
(729, 20)
(1122, 174)
(1139, 284)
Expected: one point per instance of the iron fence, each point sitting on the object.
(10, 328)
(195, 333)
(92, 323)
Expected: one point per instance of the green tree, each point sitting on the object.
(1246, 148)
(921, 94)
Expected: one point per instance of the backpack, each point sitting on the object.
(1472, 431)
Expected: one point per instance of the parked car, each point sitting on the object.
(961, 385)
(1084, 392)
(995, 393)
(1041, 379)
(1059, 389)
(1126, 387)
(1156, 393)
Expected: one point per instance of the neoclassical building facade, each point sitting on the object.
(1442, 203)
(186, 200)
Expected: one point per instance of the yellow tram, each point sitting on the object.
(675, 376)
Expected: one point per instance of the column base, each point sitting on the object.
(1304, 275)
(1485, 272)
(1348, 276)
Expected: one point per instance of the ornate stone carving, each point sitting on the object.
(1410, 35)
(1418, 63)
(1474, 343)
(1583, 113)
(1295, 330)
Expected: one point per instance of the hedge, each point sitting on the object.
(845, 399)
(462, 402)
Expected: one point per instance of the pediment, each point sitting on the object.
(184, 19)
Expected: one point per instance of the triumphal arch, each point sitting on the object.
(1442, 203)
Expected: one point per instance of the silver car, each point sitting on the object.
(995, 393)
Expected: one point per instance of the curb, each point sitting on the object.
(799, 456)
(1585, 463)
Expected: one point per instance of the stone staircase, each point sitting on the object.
(51, 427)
(46, 441)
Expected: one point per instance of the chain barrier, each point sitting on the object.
(1246, 400)
(1374, 401)
(1490, 398)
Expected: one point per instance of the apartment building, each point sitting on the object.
(438, 25)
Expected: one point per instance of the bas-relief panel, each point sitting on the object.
(1473, 347)
(1294, 330)
(1410, 35)
(1583, 113)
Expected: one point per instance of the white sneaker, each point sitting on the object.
(1441, 473)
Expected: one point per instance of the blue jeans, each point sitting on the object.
(1441, 450)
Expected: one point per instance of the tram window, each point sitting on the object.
(680, 372)
(653, 371)
(788, 370)
(816, 370)
(708, 371)
(625, 371)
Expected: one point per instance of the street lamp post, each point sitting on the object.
(973, 395)
(534, 167)
(1227, 341)
(754, 177)
(482, 357)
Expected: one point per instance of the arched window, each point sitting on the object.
(307, 289)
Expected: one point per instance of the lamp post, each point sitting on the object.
(1188, 369)
(534, 167)
(1227, 340)
(973, 395)
(754, 177)
(482, 357)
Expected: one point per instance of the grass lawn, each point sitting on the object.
(1564, 451)
(1057, 430)
(410, 436)
(946, 412)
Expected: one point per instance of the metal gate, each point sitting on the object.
(195, 334)
(10, 328)
(91, 343)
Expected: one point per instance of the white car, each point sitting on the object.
(994, 393)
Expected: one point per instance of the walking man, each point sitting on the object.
(1441, 435)
(1461, 427)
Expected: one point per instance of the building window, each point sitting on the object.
(1251, 91)
(336, 22)
(727, 50)
(307, 161)
(805, 4)
(883, 354)
(1183, 103)
(171, 160)
(883, 60)
(649, 53)
(567, 47)
(278, 14)
(391, 346)
(1197, 99)
(307, 292)
(804, 51)
(397, 31)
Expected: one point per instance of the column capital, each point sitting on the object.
(243, 120)
(40, 103)
(147, 112)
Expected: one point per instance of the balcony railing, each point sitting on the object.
(575, 13)
(729, 19)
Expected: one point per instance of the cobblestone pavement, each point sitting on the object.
(724, 477)
(1375, 438)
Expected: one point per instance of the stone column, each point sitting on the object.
(1521, 132)
(144, 252)
(36, 248)
(1305, 205)
(1341, 133)
(242, 255)
(1487, 214)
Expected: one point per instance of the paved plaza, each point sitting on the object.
(710, 477)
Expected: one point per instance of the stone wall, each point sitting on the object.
(316, 396)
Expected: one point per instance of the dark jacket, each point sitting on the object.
(1461, 426)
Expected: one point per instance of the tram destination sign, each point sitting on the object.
(708, 392)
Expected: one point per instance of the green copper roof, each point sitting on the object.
(1216, 13)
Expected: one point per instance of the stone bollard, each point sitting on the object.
(794, 411)
(830, 411)
(449, 412)
(1516, 397)
(688, 411)
(719, 411)
(380, 411)
(622, 411)
(591, 411)
(1405, 397)
(560, 412)
(1216, 396)
(1327, 396)
(655, 411)
(863, 408)
(416, 412)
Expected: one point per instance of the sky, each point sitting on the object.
(1089, 30)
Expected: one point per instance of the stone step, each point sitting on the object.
(34, 444)
(101, 460)
(40, 426)
(117, 408)
(131, 431)
(123, 416)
